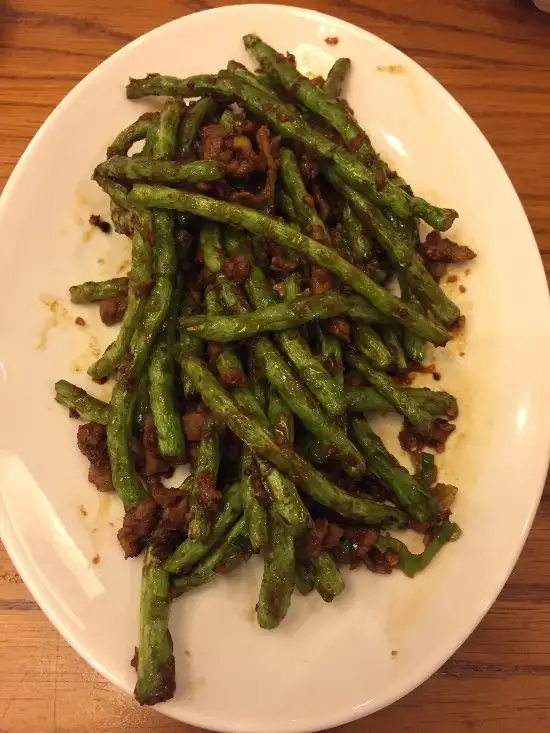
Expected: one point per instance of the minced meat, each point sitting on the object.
(138, 526)
(92, 441)
(101, 478)
(112, 311)
(193, 425)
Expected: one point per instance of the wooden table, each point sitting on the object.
(494, 56)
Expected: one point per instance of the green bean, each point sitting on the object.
(164, 145)
(188, 344)
(247, 76)
(255, 514)
(191, 123)
(165, 250)
(369, 343)
(124, 220)
(132, 134)
(393, 342)
(140, 273)
(147, 149)
(88, 408)
(211, 245)
(313, 449)
(160, 171)
(366, 399)
(119, 426)
(278, 577)
(345, 249)
(311, 223)
(286, 206)
(261, 442)
(306, 214)
(279, 316)
(166, 417)
(227, 120)
(331, 356)
(361, 245)
(304, 577)
(233, 548)
(185, 247)
(90, 292)
(439, 404)
(156, 669)
(140, 280)
(396, 244)
(285, 497)
(326, 577)
(281, 418)
(412, 564)
(171, 86)
(228, 361)
(283, 492)
(314, 98)
(258, 380)
(426, 472)
(126, 482)
(336, 77)
(415, 347)
(192, 551)
(156, 310)
(286, 120)
(292, 288)
(282, 425)
(114, 354)
(321, 384)
(249, 398)
(291, 342)
(302, 403)
(117, 192)
(410, 495)
(416, 413)
(258, 223)
(326, 389)
(206, 473)
(142, 406)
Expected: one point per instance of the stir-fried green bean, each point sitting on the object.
(268, 236)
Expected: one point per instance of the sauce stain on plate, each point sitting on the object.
(392, 68)
(58, 315)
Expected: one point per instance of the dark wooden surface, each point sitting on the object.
(494, 56)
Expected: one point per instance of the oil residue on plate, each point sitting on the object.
(101, 522)
(392, 68)
(466, 372)
(91, 352)
(58, 313)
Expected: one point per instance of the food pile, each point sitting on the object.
(259, 330)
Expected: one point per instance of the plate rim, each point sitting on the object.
(8, 531)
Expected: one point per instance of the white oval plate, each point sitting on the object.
(327, 664)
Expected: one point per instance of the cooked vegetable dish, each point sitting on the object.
(279, 295)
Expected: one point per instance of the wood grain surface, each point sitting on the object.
(494, 57)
